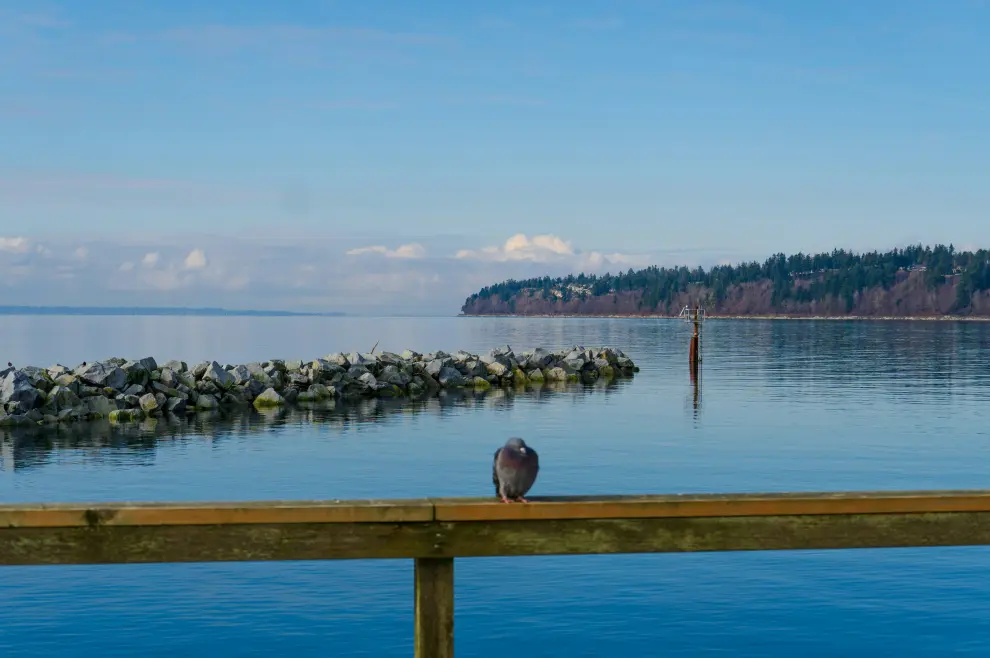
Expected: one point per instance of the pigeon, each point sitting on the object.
(514, 470)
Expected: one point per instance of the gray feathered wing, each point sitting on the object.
(498, 492)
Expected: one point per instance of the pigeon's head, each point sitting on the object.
(516, 443)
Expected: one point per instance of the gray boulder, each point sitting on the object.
(269, 398)
(386, 390)
(319, 391)
(575, 364)
(393, 375)
(136, 373)
(498, 369)
(176, 366)
(540, 358)
(216, 374)
(299, 380)
(241, 374)
(254, 388)
(69, 381)
(368, 381)
(100, 405)
(167, 391)
(60, 398)
(450, 377)
(149, 403)
(205, 386)
(170, 378)
(474, 368)
(38, 376)
(207, 402)
(175, 406)
(16, 389)
(390, 359)
(502, 352)
(437, 364)
(187, 379)
(369, 361)
(148, 363)
(103, 375)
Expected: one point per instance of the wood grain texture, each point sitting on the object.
(215, 543)
(320, 541)
(702, 534)
(259, 512)
(433, 634)
(711, 505)
(488, 509)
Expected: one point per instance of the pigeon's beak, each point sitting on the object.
(522, 450)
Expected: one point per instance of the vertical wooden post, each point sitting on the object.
(694, 353)
(434, 593)
(697, 329)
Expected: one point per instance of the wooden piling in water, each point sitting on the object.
(434, 608)
(694, 352)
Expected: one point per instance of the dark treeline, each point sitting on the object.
(801, 277)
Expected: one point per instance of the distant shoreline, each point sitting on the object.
(158, 311)
(828, 318)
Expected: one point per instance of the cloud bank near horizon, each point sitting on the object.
(301, 275)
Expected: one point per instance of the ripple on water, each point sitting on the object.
(781, 406)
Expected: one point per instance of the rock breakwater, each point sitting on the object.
(124, 390)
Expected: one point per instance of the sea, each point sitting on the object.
(780, 406)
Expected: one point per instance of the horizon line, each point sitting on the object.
(157, 310)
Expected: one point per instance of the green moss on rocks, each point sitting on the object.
(126, 415)
(269, 399)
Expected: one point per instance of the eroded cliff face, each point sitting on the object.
(909, 297)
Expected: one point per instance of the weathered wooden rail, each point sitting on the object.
(435, 531)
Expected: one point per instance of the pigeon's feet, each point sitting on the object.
(505, 500)
(522, 500)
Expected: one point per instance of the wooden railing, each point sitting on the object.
(435, 531)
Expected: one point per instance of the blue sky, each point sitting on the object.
(624, 133)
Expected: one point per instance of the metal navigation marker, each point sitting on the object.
(688, 314)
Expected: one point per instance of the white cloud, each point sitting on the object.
(413, 250)
(550, 249)
(196, 260)
(539, 248)
(286, 273)
(15, 245)
(81, 253)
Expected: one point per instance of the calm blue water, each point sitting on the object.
(783, 406)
